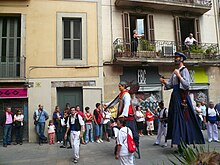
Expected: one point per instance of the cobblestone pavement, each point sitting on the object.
(90, 154)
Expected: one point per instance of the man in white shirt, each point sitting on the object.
(162, 127)
(75, 124)
(189, 41)
(211, 120)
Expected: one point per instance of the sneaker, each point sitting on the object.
(92, 141)
(4, 145)
(62, 146)
(69, 147)
(108, 140)
(58, 142)
(61, 142)
(155, 144)
(97, 141)
(165, 145)
(101, 140)
(75, 161)
(216, 141)
(209, 141)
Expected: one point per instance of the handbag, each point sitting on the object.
(37, 121)
(131, 143)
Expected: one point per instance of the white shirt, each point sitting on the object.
(189, 41)
(139, 114)
(107, 115)
(122, 140)
(211, 112)
(51, 129)
(19, 118)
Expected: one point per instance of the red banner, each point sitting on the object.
(13, 93)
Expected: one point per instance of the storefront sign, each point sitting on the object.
(198, 75)
(13, 93)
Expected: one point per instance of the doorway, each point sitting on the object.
(73, 96)
(186, 26)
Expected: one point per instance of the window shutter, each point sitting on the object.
(151, 36)
(126, 30)
(197, 30)
(178, 33)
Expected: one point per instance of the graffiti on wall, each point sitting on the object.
(147, 100)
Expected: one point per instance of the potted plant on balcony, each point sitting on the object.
(147, 49)
(119, 50)
(210, 52)
(196, 51)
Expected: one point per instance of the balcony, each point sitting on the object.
(162, 52)
(12, 68)
(194, 6)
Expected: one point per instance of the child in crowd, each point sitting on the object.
(149, 121)
(139, 120)
(114, 127)
(106, 124)
(89, 125)
(51, 131)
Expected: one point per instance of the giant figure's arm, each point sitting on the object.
(185, 81)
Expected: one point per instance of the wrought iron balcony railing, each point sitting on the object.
(163, 49)
(12, 67)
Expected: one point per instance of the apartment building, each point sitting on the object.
(162, 27)
(50, 54)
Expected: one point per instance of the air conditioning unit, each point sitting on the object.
(168, 51)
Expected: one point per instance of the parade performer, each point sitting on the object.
(125, 109)
(182, 123)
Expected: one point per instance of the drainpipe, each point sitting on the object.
(216, 13)
(112, 52)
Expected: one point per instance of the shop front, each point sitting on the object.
(17, 99)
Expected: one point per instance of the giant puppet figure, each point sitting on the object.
(182, 123)
(125, 109)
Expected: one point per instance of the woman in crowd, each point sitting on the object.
(139, 120)
(149, 121)
(57, 116)
(18, 124)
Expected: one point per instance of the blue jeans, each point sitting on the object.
(98, 130)
(40, 131)
(89, 132)
(7, 134)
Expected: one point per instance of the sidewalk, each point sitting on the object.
(90, 154)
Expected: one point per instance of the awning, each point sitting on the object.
(150, 88)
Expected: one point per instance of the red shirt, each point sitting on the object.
(88, 115)
(149, 116)
(81, 114)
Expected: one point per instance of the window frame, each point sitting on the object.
(60, 44)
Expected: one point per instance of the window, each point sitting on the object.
(10, 39)
(71, 39)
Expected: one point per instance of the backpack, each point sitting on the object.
(131, 143)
